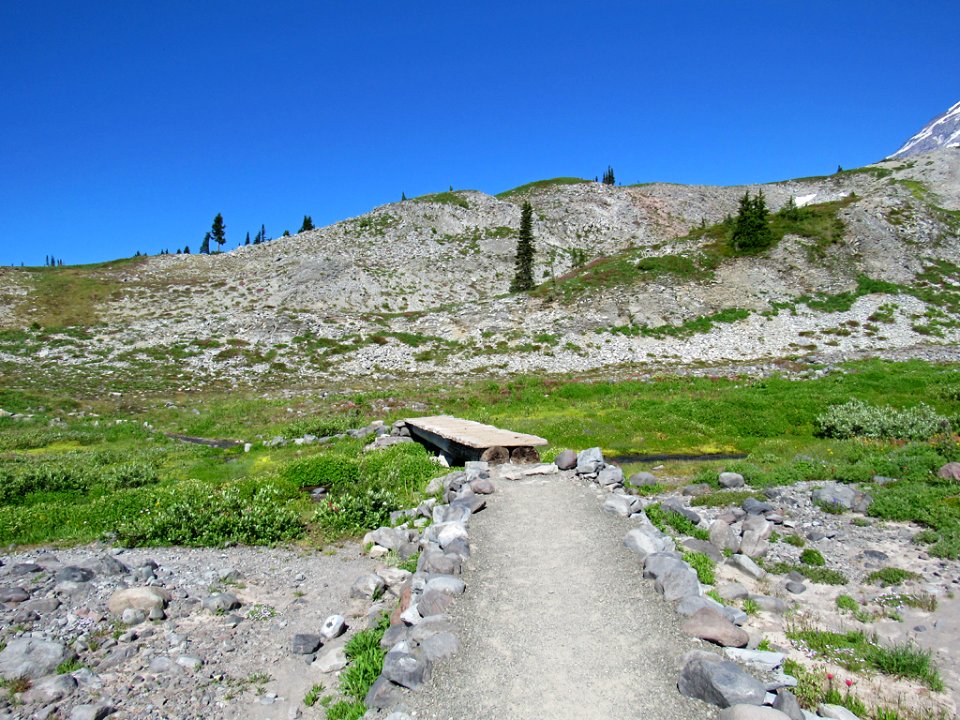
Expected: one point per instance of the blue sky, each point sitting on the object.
(128, 125)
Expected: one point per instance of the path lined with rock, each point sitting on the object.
(557, 620)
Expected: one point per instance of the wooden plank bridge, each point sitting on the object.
(460, 440)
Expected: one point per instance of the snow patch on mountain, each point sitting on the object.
(943, 131)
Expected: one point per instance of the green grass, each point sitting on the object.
(821, 575)
(444, 198)
(812, 557)
(664, 518)
(855, 651)
(703, 566)
(890, 576)
(540, 185)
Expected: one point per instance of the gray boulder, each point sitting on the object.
(382, 695)
(439, 645)
(619, 505)
(13, 595)
(92, 712)
(756, 530)
(32, 658)
(643, 543)
(589, 461)
(566, 460)
(766, 660)
(50, 689)
(747, 566)
(704, 547)
(367, 586)
(678, 582)
(731, 480)
(106, 565)
(658, 564)
(675, 505)
(644, 479)
(708, 677)
(139, 598)
(787, 703)
(305, 643)
(695, 490)
(724, 537)
(708, 624)
(73, 573)
(446, 584)
(407, 669)
(220, 603)
(755, 507)
(950, 471)
(610, 475)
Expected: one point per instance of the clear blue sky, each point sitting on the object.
(128, 125)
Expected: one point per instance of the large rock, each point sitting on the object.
(643, 543)
(619, 505)
(32, 658)
(705, 548)
(92, 712)
(433, 602)
(708, 677)
(841, 496)
(333, 627)
(50, 689)
(767, 660)
(367, 587)
(106, 565)
(589, 461)
(74, 573)
(566, 460)
(756, 530)
(610, 475)
(724, 537)
(389, 538)
(219, 603)
(446, 584)
(305, 643)
(138, 598)
(330, 660)
(13, 595)
(643, 479)
(751, 712)
(439, 563)
(747, 566)
(950, 471)
(677, 506)
(730, 480)
(409, 669)
(678, 582)
(708, 624)
(658, 564)
(787, 703)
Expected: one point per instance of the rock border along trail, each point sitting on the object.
(558, 621)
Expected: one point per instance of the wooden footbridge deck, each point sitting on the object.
(460, 440)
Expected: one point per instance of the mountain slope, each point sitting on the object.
(421, 286)
(941, 132)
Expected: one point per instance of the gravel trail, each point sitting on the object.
(557, 620)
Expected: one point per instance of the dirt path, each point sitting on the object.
(557, 621)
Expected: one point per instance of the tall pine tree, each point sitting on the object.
(307, 224)
(523, 271)
(751, 230)
(218, 232)
(608, 178)
(205, 245)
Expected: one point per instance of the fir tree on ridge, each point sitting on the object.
(307, 224)
(523, 273)
(218, 231)
(751, 230)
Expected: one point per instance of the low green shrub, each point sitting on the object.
(354, 512)
(725, 497)
(812, 557)
(858, 419)
(822, 575)
(845, 602)
(703, 566)
(795, 540)
(890, 576)
(195, 515)
(663, 517)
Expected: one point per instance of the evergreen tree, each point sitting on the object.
(205, 245)
(247, 241)
(608, 178)
(403, 196)
(523, 273)
(263, 233)
(186, 249)
(751, 230)
(218, 232)
(307, 224)
(286, 233)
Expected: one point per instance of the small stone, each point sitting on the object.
(747, 566)
(189, 662)
(133, 616)
(305, 643)
(221, 602)
(91, 712)
(333, 627)
(795, 587)
(72, 573)
(836, 712)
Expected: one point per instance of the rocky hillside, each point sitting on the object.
(638, 275)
